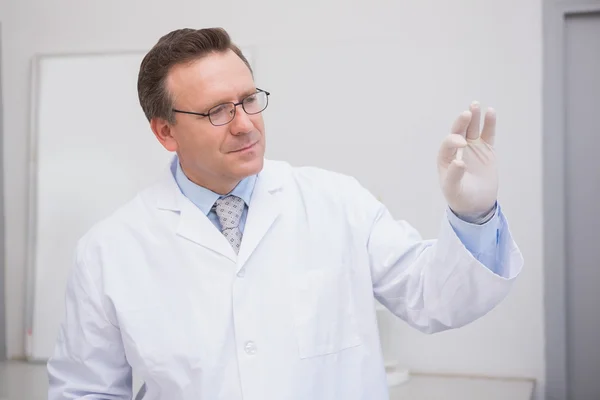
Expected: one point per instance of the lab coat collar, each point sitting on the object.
(264, 208)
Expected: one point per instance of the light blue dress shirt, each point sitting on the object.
(204, 198)
(480, 240)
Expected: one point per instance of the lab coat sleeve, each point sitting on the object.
(89, 361)
(438, 284)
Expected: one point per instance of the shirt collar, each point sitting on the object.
(204, 198)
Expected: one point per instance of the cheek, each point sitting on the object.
(200, 139)
(258, 122)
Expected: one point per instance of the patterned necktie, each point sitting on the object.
(229, 210)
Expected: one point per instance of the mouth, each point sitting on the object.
(246, 148)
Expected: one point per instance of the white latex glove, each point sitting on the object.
(467, 165)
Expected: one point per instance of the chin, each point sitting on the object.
(249, 166)
(255, 165)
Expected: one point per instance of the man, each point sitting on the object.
(238, 278)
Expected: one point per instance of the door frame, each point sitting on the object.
(2, 211)
(555, 14)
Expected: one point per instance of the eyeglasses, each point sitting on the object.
(223, 114)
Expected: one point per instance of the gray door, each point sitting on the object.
(582, 187)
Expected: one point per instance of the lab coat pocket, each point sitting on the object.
(325, 319)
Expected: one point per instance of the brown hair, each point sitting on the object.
(177, 47)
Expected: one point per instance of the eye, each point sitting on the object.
(218, 110)
(250, 99)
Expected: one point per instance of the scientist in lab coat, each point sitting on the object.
(238, 278)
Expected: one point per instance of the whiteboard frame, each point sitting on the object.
(31, 206)
(32, 163)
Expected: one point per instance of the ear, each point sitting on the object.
(163, 132)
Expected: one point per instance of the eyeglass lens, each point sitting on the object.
(224, 113)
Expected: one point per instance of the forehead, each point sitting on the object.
(215, 77)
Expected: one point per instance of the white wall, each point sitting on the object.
(430, 57)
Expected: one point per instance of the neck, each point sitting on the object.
(223, 189)
(217, 184)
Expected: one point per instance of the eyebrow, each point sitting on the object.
(243, 95)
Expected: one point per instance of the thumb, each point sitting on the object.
(456, 171)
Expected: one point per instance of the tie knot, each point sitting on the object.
(229, 210)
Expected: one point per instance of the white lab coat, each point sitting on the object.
(157, 288)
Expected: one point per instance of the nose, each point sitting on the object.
(241, 123)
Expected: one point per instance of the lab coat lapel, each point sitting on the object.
(263, 210)
(192, 223)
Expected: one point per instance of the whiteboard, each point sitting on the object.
(92, 150)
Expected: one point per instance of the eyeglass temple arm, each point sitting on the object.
(189, 112)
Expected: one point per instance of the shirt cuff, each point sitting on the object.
(480, 240)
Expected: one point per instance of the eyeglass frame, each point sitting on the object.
(235, 105)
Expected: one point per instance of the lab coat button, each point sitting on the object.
(250, 348)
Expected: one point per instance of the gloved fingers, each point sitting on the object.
(461, 123)
(473, 128)
(450, 145)
(488, 133)
(456, 171)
